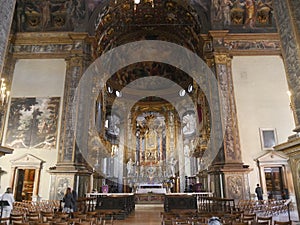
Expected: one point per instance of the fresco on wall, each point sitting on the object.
(32, 122)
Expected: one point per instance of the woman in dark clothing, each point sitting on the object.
(69, 201)
(75, 200)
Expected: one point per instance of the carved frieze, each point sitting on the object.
(257, 45)
(33, 45)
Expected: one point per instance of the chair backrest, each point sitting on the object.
(60, 223)
(264, 220)
(23, 223)
(83, 223)
(239, 223)
(282, 222)
(43, 223)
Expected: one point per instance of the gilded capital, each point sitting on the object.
(221, 58)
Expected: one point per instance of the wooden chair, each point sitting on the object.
(239, 223)
(249, 217)
(264, 220)
(5, 220)
(91, 220)
(80, 216)
(91, 214)
(109, 222)
(74, 214)
(54, 220)
(72, 221)
(24, 223)
(43, 223)
(17, 219)
(60, 223)
(45, 215)
(282, 222)
(83, 223)
(62, 216)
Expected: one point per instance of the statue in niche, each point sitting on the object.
(172, 165)
(130, 167)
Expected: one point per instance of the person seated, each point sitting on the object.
(214, 221)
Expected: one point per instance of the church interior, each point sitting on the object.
(180, 103)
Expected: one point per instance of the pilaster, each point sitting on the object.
(6, 16)
(286, 14)
(71, 167)
(227, 171)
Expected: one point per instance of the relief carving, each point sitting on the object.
(235, 186)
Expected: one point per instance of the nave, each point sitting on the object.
(150, 214)
(47, 213)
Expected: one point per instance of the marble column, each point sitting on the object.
(287, 15)
(6, 17)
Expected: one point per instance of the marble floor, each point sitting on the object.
(143, 215)
(150, 215)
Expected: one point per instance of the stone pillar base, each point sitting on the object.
(230, 181)
(78, 178)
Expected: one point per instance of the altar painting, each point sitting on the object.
(32, 122)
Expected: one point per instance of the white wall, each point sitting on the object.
(260, 88)
(36, 78)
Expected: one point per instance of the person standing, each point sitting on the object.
(69, 201)
(74, 193)
(259, 193)
(7, 196)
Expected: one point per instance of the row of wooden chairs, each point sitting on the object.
(268, 207)
(234, 218)
(59, 218)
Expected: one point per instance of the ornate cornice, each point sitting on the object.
(245, 44)
(50, 44)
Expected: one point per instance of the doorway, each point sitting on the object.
(274, 182)
(25, 184)
(26, 177)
